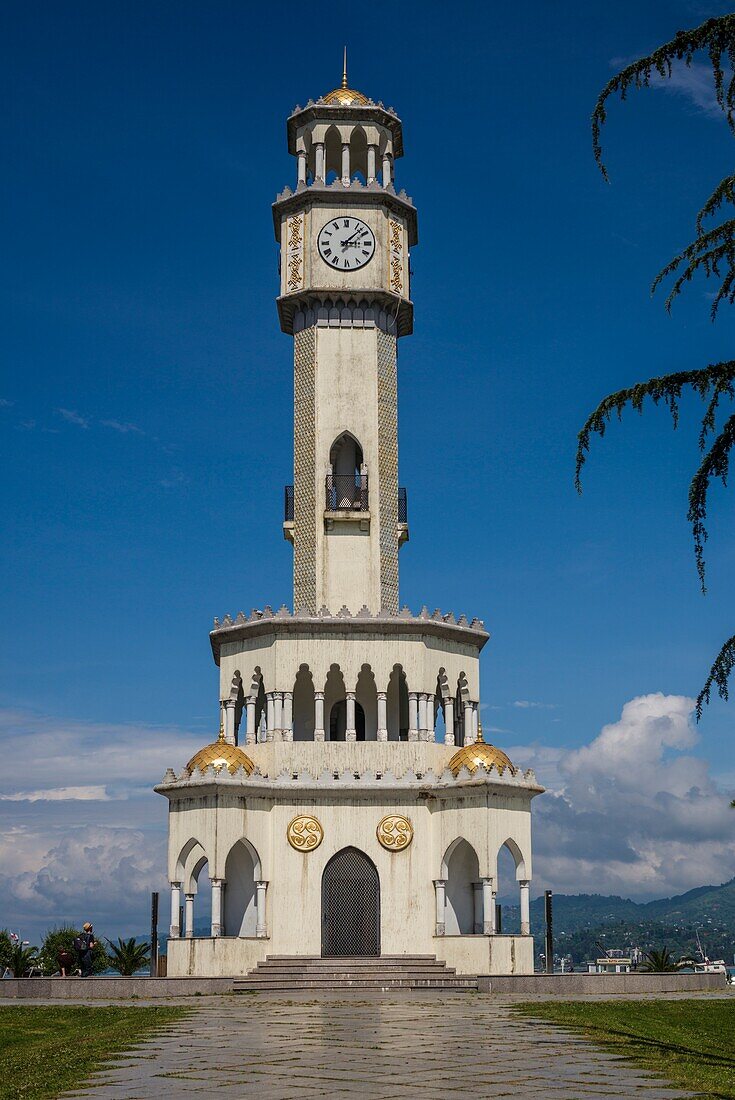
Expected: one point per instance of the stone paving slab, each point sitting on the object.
(383, 1048)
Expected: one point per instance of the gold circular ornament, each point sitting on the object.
(395, 832)
(305, 833)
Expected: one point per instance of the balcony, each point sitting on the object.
(347, 493)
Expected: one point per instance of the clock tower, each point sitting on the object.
(350, 808)
(345, 235)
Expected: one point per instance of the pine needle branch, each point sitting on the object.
(716, 463)
(719, 676)
(716, 36)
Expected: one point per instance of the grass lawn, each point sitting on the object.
(690, 1042)
(47, 1049)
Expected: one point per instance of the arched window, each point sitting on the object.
(347, 486)
(242, 870)
(397, 705)
(358, 155)
(335, 705)
(303, 706)
(510, 870)
(461, 871)
(333, 155)
(367, 701)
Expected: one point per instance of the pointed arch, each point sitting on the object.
(242, 871)
(461, 871)
(358, 154)
(332, 155)
(304, 710)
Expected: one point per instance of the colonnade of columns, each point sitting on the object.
(484, 897)
(217, 928)
(320, 165)
(461, 724)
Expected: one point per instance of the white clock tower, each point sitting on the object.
(350, 807)
(345, 236)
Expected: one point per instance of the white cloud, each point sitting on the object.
(73, 417)
(58, 794)
(633, 812)
(694, 82)
(123, 428)
(527, 704)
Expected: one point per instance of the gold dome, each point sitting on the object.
(344, 96)
(479, 755)
(220, 754)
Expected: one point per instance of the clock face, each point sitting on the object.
(346, 244)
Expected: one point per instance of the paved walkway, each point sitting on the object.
(377, 1049)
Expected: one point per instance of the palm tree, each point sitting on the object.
(22, 960)
(127, 956)
(659, 961)
(712, 254)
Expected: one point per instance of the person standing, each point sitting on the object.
(85, 944)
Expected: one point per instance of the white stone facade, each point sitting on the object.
(350, 741)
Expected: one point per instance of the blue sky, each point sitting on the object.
(146, 390)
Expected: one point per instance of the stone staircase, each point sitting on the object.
(310, 973)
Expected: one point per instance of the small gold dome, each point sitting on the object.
(220, 754)
(345, 97)
(479, 755)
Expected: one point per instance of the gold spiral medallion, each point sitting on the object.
(395, 832)
(305, 833)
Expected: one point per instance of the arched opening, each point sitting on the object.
(350, 905)
(242, 870)
(461, 870)
(347, 486)
(463, 695)
(439, 726)
(397, 705)
(338, 721)
(303, 705)
(510, 868)
(366, 695)
(198, 901)
(335, 701)
(333, 155)
(358, 155)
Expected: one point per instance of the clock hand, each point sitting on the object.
(347, 240)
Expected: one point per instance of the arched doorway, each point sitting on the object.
(350, 905)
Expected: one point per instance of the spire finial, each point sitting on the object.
(479, 739)
(221, 729)
(344, 69)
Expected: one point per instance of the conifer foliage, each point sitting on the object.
(712, 254)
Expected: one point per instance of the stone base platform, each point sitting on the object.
(532, 985)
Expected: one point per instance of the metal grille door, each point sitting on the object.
(350, 905)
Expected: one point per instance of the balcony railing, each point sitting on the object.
(347, 493)
(402, 505)
(288, 503)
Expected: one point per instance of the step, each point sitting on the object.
(395, 968)
(359, 984)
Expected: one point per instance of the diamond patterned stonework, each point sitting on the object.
(304, 560)
(388, 470)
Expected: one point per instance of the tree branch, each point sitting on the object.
(719, 676)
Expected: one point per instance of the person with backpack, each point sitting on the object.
(84, 944)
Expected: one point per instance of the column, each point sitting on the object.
(477, 900)
(250, 734)
(188, 916)
(386, 170)
(288, 716)
(430, 718)
(422, 715)
(488, 907)
(440, 886)
(382, 716)
(270, 705)
(413, 716)
(475, 721)
(372, 151)
(319, 734)
(301, 178)
(350, 731)
(217, 884)
(175, 929)
(277, 716)
(346, 163)
(261, 930)
(449, 721)
(229, 709)
(468, 736)
(319, 161)
(525, 886)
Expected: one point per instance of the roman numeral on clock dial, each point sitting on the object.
(346, 243)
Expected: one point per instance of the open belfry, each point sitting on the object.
(349, 809)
